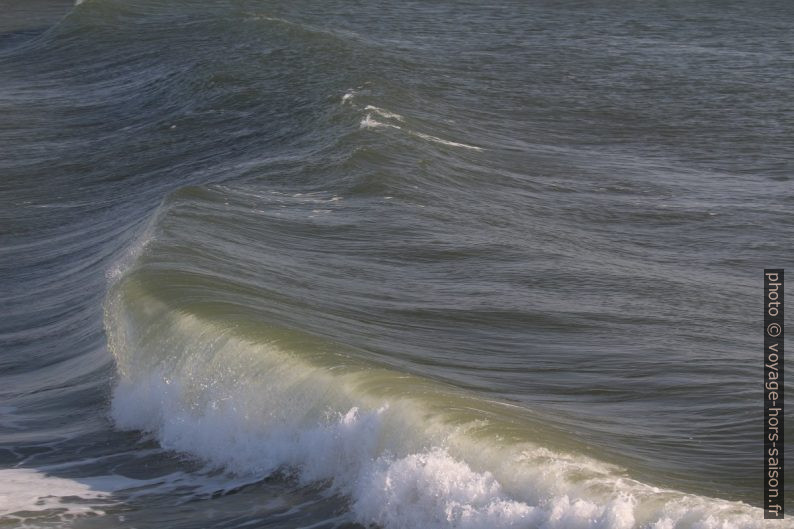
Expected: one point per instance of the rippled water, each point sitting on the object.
(454, 264)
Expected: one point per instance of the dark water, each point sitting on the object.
(410, 265)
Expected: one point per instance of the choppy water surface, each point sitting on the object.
(404, 265)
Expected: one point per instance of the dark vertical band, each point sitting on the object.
(773, 394)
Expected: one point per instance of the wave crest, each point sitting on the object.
(406, 451)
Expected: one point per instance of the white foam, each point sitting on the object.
(383, 113)
(23, 489)
(424, 489)
(433, 490)
(371, 123)
(348, 96)
(442, 141)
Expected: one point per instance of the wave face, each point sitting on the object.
(394, 265)
(405, 451)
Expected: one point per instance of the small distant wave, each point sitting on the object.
(384, 113)
(372, 112)
(334, 36)
(442, 141)
(369, 122)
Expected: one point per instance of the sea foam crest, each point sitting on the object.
(370, 122)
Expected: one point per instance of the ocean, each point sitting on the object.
(351, 264)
